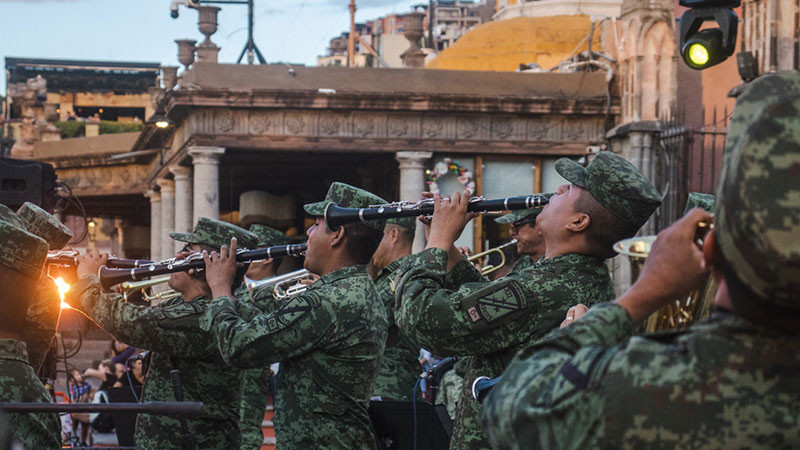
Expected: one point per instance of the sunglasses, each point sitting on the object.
(525, 221)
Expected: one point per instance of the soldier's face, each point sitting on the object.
(180, 281)
(317, 246)
(558, 211)
(381, 255)
(530, 239)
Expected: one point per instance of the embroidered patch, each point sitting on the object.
(473, 314)
(292, 310)
(500, 303)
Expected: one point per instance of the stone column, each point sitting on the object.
(167, 216)
(412, 183)
(206, 181)
(183, 201)
(155, 224)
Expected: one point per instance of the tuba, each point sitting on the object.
(681, 312)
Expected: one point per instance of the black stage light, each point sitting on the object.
(702, 49)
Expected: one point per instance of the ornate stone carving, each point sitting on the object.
(106, 180)
(329, 125)
(295, 123)
(259, 123)
(364, 126)
(398, 126)
(575, 130)
(432, 127)
(538, 129)
(502, 127)
(223, 120)
(467, 127)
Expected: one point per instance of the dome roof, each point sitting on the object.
(504, 45)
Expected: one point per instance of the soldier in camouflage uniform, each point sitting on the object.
(328, 340)
(171, 331)
(22, 256)
(529, 236)
(399, 365)
(255, 382)
(45, 311)
(607, 201)
(729, 382)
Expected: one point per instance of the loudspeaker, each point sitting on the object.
(27, 181)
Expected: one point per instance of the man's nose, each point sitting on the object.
(561, 189)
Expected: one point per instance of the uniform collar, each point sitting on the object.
(13, 349)
(571, 258)
(344, 272)
(394, 265)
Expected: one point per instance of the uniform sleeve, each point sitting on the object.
(549, 394)
(477, 318)
(169, 328)
(296, 327)
(41, 322)
(462, 272)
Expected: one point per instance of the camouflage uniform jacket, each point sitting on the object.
(329, 341)
(171, 331)
(42, 321)
(18, 383)
(723, 383)
(522, 263)
(255, 382)
(399, 365)
(491, 321)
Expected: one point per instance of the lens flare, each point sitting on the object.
(63, 287)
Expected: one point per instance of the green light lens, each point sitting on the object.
(698, 54)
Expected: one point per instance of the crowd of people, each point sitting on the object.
(573, 372)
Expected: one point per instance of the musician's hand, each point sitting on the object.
(90, 263)
(574, 314)
(221, 269)
(312, 278)
(674, 266)
(449, 219)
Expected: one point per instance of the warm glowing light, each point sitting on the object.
(162, 124)
(92, 223)
(698, 54)
(63, 287)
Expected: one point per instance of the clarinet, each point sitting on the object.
(336, 216)
(111, 277)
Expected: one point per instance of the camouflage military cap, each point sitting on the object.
(407, 222)
(757, 213)
(22, 251)
(217, 233)
(7, 215)
(520, 214)
(44, 225)
(348, 197)
(698, 200)
(268, 236)
(616, 184)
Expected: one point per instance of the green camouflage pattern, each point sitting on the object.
(267, 236)
(617, 184)
(329, 341)
(400, 367)
(490, 321)
(44, 225)
(255, 382)
(699, 200)
(8, 215)
(757, 214)
(18, 383)
(216, 233)
(450, 387)
(22, 251)
(723, 383)
(171, 331)
(407, 222)
(347, 196)
(41, 321)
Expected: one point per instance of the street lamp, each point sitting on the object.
(702, 49)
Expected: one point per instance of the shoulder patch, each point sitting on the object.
(498, 304)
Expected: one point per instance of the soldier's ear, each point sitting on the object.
(579, 222)
(337, 237)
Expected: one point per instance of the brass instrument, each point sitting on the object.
(336, 216)
(492, 268)
(130, 287)
(110, 277)
(681, 312)
(283, 286)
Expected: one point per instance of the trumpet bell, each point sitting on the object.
(635, 247)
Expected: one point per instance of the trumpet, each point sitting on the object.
(68, 258)
(129, 287)
(111, 277)
(283, 286)
(336, 216)
(492, 268)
